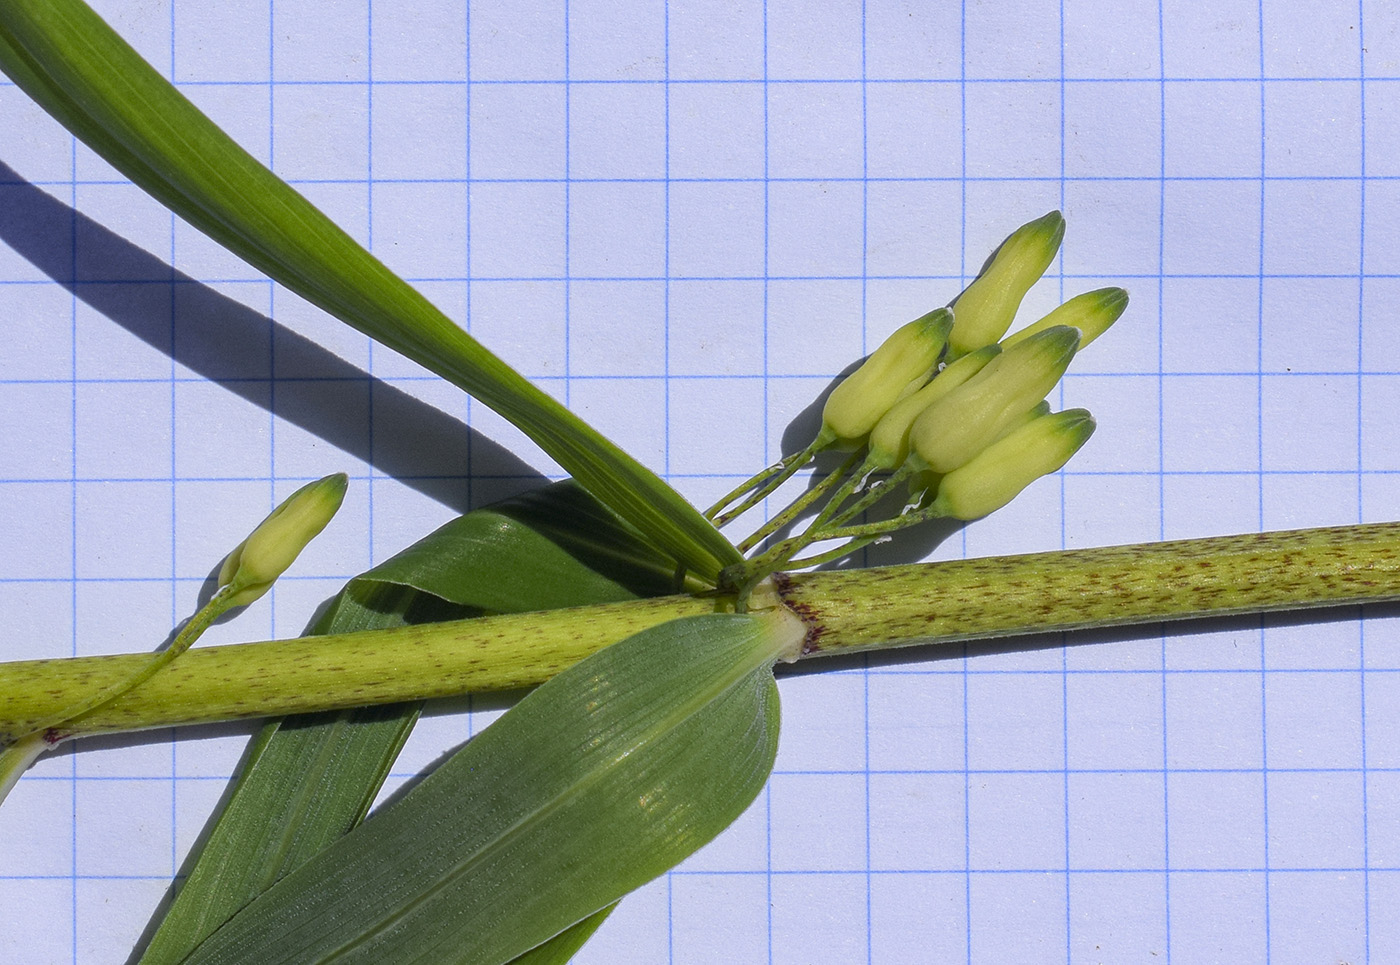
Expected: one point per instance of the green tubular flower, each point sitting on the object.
(250, 570)
(889, 440)
(986, 307)
(958, 426)
(1092, 313)
(997, 474)
(901, 365)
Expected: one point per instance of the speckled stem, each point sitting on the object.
(871, 609)
(844, 612)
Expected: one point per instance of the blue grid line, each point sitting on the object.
(962, 537)
(854, 772)
(1064, 654)
(865, 347)
(175, 616)
(767, 447)
(1161, 481)
(666, 358)
(1082, 474)
(792, 81)
(568, 278)
(73, 527)
(884, 872)
(794, 179)
(1259, 454)
(457, 279)
(1360, 493)
(396, 380)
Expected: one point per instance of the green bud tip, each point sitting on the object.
(1092, 313)
(1001, 471)
(986, 307)
(250, 570)
(900, 366)
(957, 427)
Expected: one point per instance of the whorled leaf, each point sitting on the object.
(596, 782)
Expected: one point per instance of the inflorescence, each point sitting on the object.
(949, 407)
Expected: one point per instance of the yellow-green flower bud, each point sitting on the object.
(249, 571)
(900, 366)
(889, 440)
(968, 419)
(986, 307)
(1092, 313)
(998, 473)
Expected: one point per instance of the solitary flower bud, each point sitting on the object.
(901, 365)
(986, 307)
(998, 473)
(889, 440)
(249, 571)
(1092, 313)
(968, 419)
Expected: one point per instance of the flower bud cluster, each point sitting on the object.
(951, 405)
(979, 431)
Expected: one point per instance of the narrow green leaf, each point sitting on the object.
(306, 781)
(80, 71)
(593, 784)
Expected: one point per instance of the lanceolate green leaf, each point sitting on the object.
(307, 781)
(80, 71)
(595, 783)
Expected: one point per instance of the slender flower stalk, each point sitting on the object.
(760, 485)
(800, 504)
(247, 573)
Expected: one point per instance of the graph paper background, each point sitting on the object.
(683, 220)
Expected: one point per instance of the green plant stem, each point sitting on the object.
(846, 611)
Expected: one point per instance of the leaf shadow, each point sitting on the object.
(255, 357)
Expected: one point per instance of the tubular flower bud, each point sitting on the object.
(968, 419)
(901, 365)
(998, 474)
(1092, 313)
(249, 571)
(889, 440)
(986, 307)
